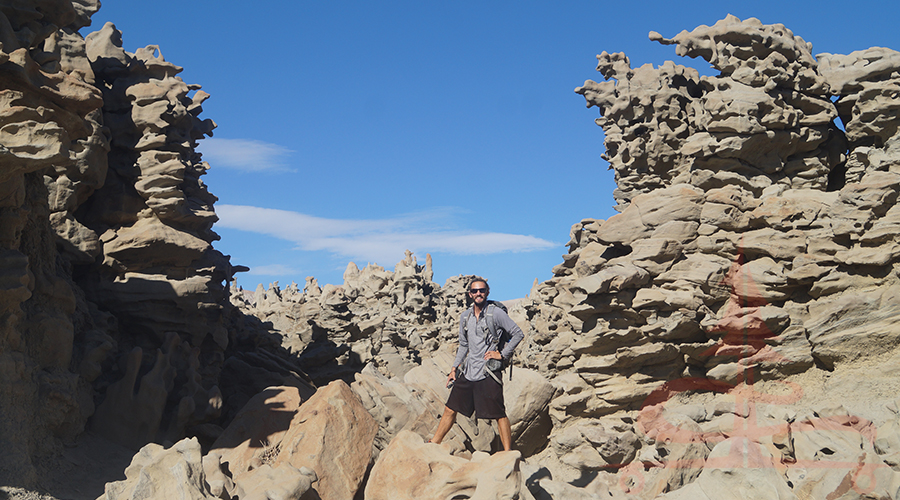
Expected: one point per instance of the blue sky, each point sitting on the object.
(351, 131)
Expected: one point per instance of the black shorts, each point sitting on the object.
(484, 398)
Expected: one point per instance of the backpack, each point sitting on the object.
(494, 339)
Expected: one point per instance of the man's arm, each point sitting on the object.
(515, 333)
(463, 348)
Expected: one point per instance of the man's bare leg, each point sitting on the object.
(505, 433)
(447, 420)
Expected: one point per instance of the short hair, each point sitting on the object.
(478, 280)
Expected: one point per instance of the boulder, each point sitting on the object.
(331, 434)
(283, 483)
(738, 468)
(158, 473)
(411, 469)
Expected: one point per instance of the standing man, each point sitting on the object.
(475, 390)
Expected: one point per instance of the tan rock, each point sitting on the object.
(848, 220)
(846, 73)
(411, 469)
(331, 434)
(776, 244)
(592, 446)
(705, 270)
(836, 456)
(760, 279)
(398, 406)
(838, 281)
(876, 191)
(853, 325)
(655, 254)
(283, 483)
(681, 231)
(676, 326)
(793, 209)
(733, 195)
(677, 451)
(646, 213)
(612, 278)
(527, 398)
(158, 473)
(724, 216)
(861, 255)
(738, 468)
(590, 259)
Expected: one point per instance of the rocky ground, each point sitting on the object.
(729, 334)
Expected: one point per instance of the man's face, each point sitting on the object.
(479, 292)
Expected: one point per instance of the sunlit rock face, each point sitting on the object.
(748, 218)
(755, 251)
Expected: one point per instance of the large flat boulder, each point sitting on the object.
(331, 434)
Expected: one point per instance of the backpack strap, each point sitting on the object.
(497, 379)
(495, 339)
(489, 316)
(464, 319)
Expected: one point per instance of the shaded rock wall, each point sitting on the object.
(113, 302)
(49, 126)
(156, 266)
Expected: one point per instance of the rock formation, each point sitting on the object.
(388, 319)
(330, 433)
(49, 125)
(411, 469)
(176, 472)
(113, 302)
(730, 333)
(754, 243)
(158, 270)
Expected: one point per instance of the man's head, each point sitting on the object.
(478, 290)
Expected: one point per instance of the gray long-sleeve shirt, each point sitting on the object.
(473, 341)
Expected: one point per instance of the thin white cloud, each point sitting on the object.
(380, 240)
(244, 154)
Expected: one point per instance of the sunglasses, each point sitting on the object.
(475, 291)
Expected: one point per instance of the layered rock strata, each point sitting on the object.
(49, 129)
(755, 241)
(113, 302)
(155, 266)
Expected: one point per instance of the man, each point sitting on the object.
(476, 390)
